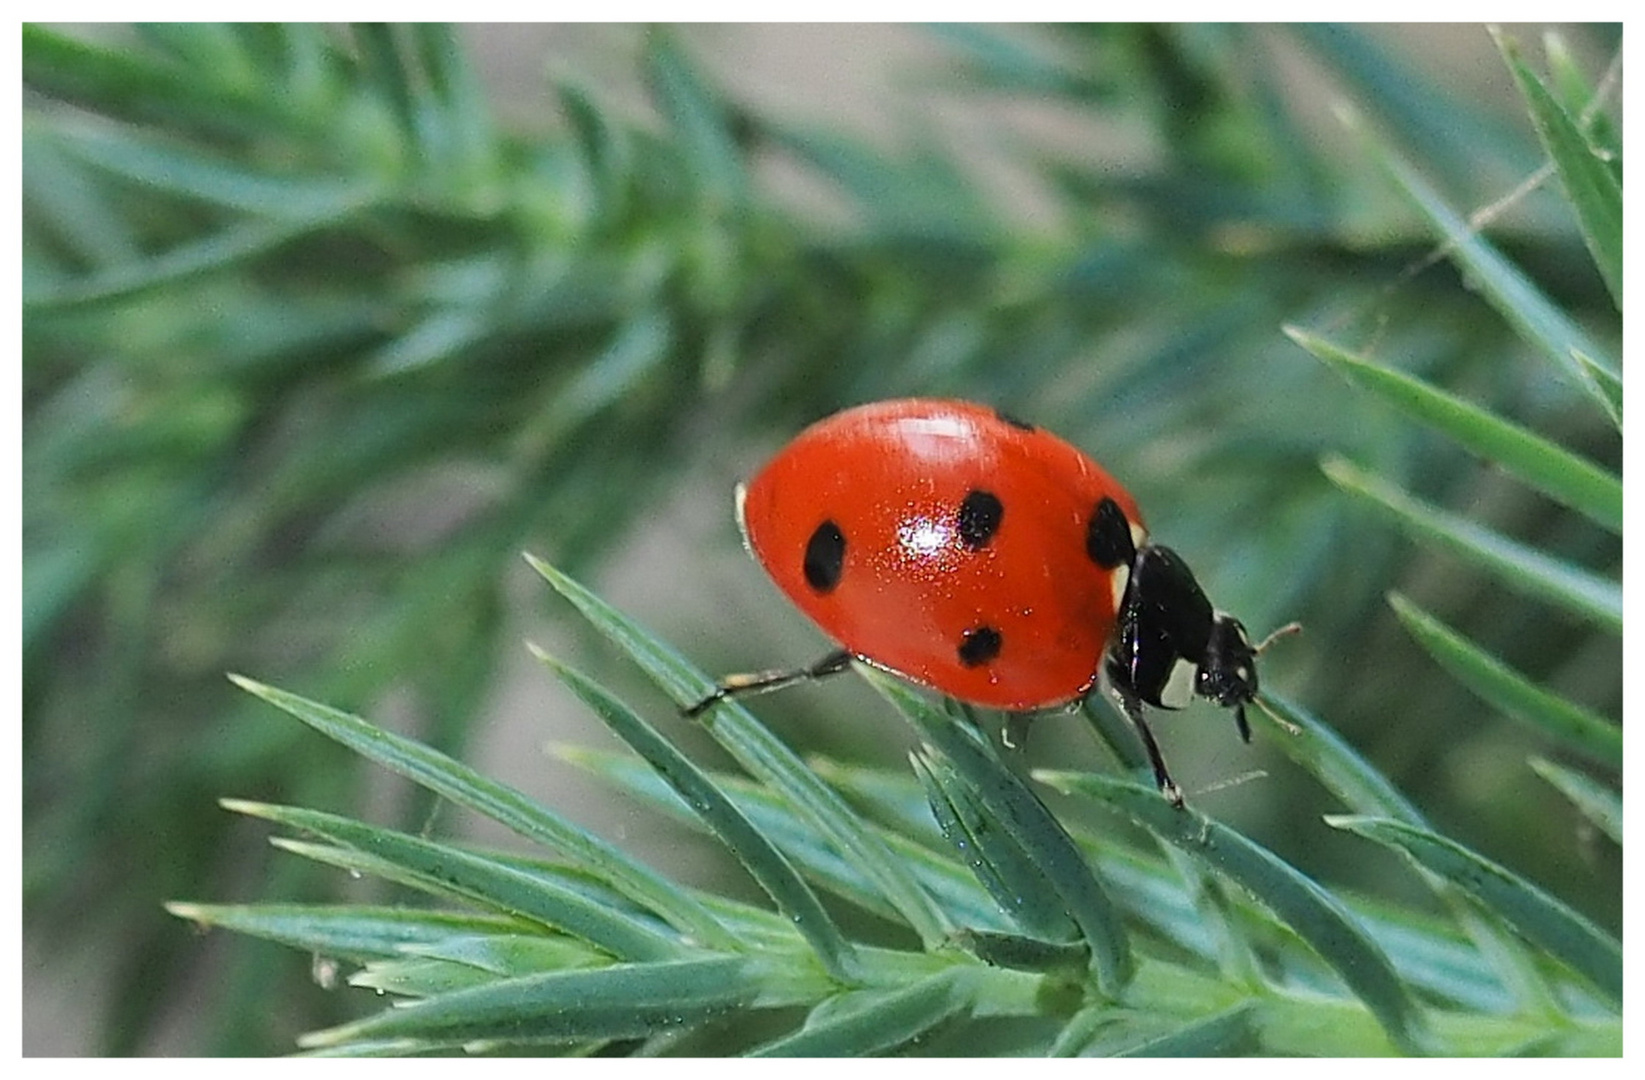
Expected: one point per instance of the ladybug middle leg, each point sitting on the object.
(1133, 707)
(760, 682)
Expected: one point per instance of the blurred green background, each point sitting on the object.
(323, 326)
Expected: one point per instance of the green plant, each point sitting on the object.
(215, 414)
(1062, 942)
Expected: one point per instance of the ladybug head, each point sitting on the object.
(1228, 673)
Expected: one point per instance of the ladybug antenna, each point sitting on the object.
(1290, 728)
(1285, 631)
(1239, 713)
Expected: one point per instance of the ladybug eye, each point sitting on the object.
(979, 518)
(824, 557)
(1108, 537)
(979, 645)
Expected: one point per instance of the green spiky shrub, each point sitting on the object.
(272, 273)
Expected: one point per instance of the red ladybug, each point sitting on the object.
(988, 559)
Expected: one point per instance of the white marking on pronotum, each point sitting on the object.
(1179, 686)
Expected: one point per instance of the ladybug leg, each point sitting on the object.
(1015, 735)
(1240, 722)
(1162, 776)
(761, 682)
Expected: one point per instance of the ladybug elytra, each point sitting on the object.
(988, 559)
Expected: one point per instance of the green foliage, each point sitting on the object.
(285, 285)
(1122, 972)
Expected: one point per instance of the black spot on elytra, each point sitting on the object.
(1108, 536)
(824, 557)
(979, 518)
(1020, 425)
(979, 645)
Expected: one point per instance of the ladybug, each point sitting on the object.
(988, 559)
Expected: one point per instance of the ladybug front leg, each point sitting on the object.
(1133, 707)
